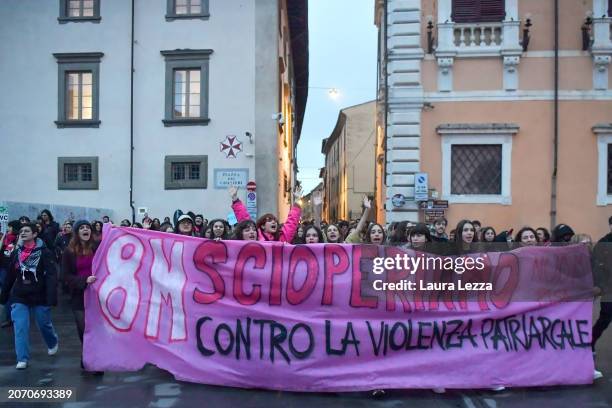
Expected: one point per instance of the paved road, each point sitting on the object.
(152, 387)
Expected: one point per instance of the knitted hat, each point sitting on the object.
(79, 224)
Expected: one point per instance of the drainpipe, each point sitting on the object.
(132, 120)
(384, 175)
(553, 194)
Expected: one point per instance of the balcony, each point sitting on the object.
(478, 38)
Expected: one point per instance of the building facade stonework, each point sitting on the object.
(506, 108)
(349, 162)
(158, 104)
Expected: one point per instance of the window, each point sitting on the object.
(78, 89)
(183, 172)
(476, 162)
(477, 11)
(79, 11)
(187, 9)
(604, 168)
(186, 87)
(77, 173)
(476, 169)
(186, 93)
(78, 95)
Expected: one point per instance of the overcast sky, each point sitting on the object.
(343, 46)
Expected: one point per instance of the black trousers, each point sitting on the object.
(605, 317)
(79, 319)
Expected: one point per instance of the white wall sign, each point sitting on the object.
(421, 189)
(231, 177)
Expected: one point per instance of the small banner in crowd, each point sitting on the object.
(332, 317)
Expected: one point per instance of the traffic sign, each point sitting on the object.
(421, 187)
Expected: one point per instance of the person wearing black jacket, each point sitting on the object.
(602, 268)
(50, 229)
(31, 285)
(77, 262)
(62, 240)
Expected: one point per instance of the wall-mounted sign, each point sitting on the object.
(434, 204)
(231, 177)
(398, 200)
(231, 146)
(421, 189)
(432, 215)
(4, 214)
(251, 204)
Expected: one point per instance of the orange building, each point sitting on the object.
(505, 104)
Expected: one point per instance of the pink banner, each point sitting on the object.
(309, 318)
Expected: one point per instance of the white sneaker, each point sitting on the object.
(439, 390)
(53, 351)
(499, 388)
(597, 375)
(21, 365)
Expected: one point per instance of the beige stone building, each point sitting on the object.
(349, 162)
(505, 104)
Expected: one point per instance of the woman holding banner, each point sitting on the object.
(77, 263)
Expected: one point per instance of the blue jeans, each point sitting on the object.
(20, 314)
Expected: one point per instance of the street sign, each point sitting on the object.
(398, 200)
(434, 204)
(231, 177)
(421, 189)
(432, 215)
(251, 204)
(251, 186)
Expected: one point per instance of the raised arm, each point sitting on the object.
(293, 218)
(367, 204)
(240, 210)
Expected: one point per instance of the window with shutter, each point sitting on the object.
(477, 11)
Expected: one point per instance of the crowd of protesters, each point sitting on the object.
(30, 252)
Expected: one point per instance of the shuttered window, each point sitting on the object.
(475, 11)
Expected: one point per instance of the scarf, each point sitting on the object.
(29, 258)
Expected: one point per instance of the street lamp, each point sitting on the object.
(333, 93)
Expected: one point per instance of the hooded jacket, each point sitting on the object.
(36, 287)
(288, 230)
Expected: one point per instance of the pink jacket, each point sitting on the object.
(289, 227)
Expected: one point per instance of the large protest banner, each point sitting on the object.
(307, 318)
